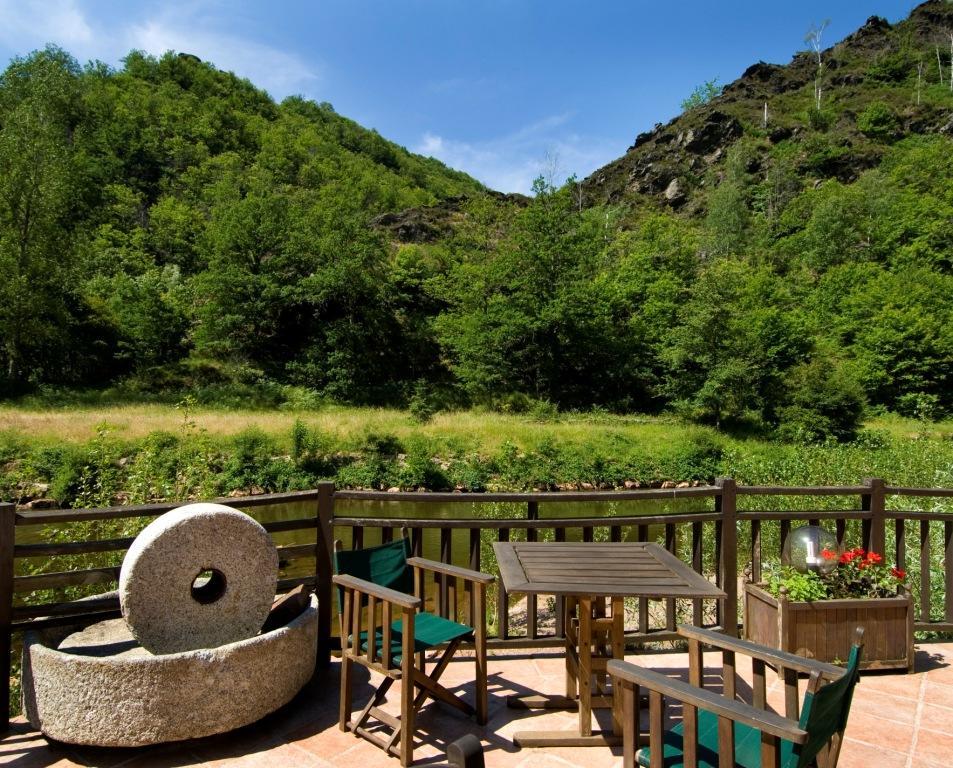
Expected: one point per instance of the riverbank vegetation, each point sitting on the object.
(138, 454)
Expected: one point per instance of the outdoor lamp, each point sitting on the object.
(804, 550)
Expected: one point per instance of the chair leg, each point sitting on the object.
(430, 686)
(435, 675)
(569, 633)
(407, 711)
(344, 713)
(375, 701)
(479, 641)
(482, 703)
(411, 700)
(630, 726)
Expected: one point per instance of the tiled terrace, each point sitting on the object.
(897, 719)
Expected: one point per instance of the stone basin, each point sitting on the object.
(98, 686)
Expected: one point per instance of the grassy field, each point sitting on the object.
(342, 426)
(98, 456)
(345, 425)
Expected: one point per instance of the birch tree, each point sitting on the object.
(813, 39)
(919, 79)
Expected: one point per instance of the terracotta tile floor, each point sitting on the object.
(897, 719)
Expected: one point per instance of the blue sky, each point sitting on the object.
(503, 89)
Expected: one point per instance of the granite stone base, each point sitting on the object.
(98, 686)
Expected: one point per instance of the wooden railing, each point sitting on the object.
(725, 537)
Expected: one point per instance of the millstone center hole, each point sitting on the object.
(208, 586)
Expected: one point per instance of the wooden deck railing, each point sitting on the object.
(727, 536)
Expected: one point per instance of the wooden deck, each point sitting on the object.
(897, 719)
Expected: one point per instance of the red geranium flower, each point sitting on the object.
(827, 554)
(898, 573)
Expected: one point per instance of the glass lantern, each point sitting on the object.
(803, 548)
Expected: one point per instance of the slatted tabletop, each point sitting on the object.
(628, 569)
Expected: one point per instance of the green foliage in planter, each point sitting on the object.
(798, 586)
(858, 574)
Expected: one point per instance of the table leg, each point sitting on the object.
(569, 633)
(618, 652)
(579, 677)
(601, 643)
(585, 666)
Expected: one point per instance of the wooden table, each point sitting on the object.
(585, 576)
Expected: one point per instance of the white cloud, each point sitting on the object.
(511, 162)
(200, 27)
(278, 72)
(29, 24)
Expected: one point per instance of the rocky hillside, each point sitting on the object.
(430, 223)
(672, 164)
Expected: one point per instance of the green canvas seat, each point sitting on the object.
(756, 734)
(429, 632)
(747, 746)
(381, 595)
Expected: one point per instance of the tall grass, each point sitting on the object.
(129, 454)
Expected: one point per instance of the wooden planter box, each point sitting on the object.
(824, 629)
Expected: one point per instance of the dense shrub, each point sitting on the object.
(824, 401)
(898, 67)
(878, 121)
(820, 119)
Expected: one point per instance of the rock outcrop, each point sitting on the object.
(669, 165)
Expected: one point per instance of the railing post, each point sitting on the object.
(502, 598)
(532, 513)
(322, 570)
(726, 505)
(875, 530)
(8, 521)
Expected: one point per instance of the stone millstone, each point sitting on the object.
(99, 687)
(167, 610)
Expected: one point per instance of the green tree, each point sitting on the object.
(728, 220)
(38, 105)
(702, 94)
(534, 313)
(737, 335)
(824, 400)
(901, 329)
(148, 313)
(878, 121)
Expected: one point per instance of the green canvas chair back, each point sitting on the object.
(385, 565)
(825, 713)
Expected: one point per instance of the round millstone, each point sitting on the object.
(200, 576)
(98, 687)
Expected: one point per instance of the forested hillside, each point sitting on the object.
(789, 268)
(167, 228)
(171, 212)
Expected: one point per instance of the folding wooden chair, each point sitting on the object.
(381, 596)
(719, 730)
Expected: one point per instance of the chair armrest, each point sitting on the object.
(737, 711)
(771, 656)
(451, 570)
(375, 590)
